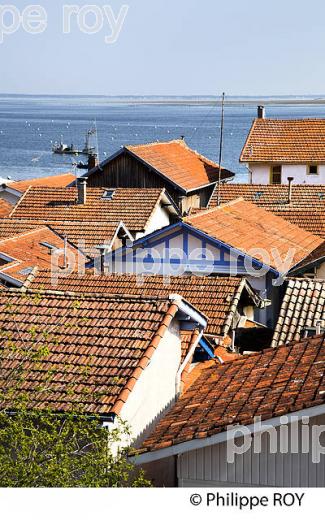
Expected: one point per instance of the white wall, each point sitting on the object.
(156, 388)
(261, 174)
(159, 219)
(207, 467)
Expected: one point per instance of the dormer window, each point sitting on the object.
(312, 169)
(108, 194)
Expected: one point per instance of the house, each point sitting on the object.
(188, 177)
(277, 150)
(141, 210)
(20, 254)
(88, 237)
(227, 302)
(273, 402)
(303, 205)
(11, 191)
(113, 356)
(302, 311)
(238, 239)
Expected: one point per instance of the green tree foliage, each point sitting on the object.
(45, 449)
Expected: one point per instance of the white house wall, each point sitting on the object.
(261, 174)
(159, 219)
(208, 467)
(156, 388)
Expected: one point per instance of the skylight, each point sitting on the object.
(108, 194)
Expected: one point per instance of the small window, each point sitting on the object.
(108, 194)
(312, 169)
(276, 174)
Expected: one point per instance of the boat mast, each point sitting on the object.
(221, 148)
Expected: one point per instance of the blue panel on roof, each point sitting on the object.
(207, 348)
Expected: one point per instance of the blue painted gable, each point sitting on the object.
(178, 249)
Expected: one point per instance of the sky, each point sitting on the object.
(167, 47)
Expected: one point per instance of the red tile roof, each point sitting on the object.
(303, 306)
(27, 252)
(53, 181)
(180, 164)
(5, 208)
(217, 298)
(286, 141)
(306, 210)
(245, 227)
(95, 347)
(86, 236)
(132, 206)
(271, 384)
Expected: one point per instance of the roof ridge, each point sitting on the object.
(88, 296)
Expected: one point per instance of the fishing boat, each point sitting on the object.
(61, 148)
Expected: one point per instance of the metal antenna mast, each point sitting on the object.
(221, 148)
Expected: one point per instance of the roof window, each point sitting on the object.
(108, 194)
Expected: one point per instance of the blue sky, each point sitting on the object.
(176, 47)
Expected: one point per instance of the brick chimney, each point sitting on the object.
(82, 190)
(261, 112)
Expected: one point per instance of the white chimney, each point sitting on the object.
(82, 190)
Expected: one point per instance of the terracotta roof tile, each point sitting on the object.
(177, 162)
(5, 208)
(215, 297)
(53, 181)
(132, 206)
(287, 141)
(95, 345)
(306, 210)
(86, 236)
(28, 251)
(245, 226)
(303, 305)
(260, 385)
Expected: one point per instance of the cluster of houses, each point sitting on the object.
(178, 300)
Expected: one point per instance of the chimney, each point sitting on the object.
(319, 325)
(290, 180)
(82, 190)
(261, 112)
(103, 250)
(92, 162)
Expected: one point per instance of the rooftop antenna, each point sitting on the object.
(220, 148)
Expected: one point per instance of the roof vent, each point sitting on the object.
(321, 196)
(108, 194)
